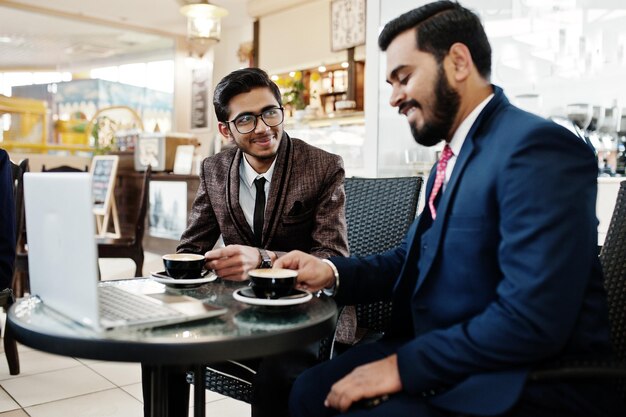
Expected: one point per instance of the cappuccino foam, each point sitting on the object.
(273, 273)
(183, 257)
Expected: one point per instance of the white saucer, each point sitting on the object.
(165, 279)
(290, 300)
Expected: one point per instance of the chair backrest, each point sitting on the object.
(64, 168)
(378, 213)
(613, 260)
(608, 187)
(140, 222)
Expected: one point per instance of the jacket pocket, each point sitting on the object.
(298, 218)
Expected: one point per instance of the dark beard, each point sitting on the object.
(446, 106)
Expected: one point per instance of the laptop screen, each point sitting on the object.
(62, 252)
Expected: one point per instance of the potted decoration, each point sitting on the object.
(293, 96)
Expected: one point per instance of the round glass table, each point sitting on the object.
(244, 331)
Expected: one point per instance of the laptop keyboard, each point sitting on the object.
(117, 304)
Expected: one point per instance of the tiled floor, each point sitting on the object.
(50, 385)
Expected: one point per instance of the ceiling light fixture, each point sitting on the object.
(203, 24)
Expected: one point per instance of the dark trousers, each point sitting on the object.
(537, 400)
(275, 376)
(271, 384)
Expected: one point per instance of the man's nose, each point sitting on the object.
(397, 97)
(261, 126)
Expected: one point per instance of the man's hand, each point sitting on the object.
(371, 380)
(233, 261)
(313, 274)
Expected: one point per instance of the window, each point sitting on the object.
(156, 75)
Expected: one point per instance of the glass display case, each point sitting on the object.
(324, 90)
(342, 134)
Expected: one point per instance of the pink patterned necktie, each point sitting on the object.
(446, 154)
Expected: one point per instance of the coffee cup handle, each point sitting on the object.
(205, 272)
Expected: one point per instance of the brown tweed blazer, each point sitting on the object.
(305, 207)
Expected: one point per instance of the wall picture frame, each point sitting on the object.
(168, 209)
(347, 24)
(183, 161)
(200, 85)
(150, 150)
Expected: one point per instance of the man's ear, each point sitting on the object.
(461, 62)
(224, 130)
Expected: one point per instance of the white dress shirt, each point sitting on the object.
(247, 189)
(456, 143)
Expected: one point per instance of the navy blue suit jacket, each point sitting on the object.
(7, 221)
(506, 277)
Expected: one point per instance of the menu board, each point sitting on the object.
(103, 172)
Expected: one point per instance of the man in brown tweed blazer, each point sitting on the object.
(305, 202)
(304, 210)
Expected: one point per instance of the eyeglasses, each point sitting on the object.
(246, 123)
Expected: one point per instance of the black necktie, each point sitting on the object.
(259, 210)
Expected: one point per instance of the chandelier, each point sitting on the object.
(203, 24)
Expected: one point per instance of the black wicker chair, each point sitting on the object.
(227, 385)
(613, 260)
(64, 168)
(378, 214)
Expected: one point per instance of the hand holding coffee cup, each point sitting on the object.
(272, 283)
(183, 265)
(313, 273)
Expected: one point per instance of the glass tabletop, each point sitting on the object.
(243, 331)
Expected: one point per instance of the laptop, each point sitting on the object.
(63, 263)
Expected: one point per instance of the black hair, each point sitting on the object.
(439, 25)
(237, 82)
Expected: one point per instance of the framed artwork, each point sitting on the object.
(184, 159)
(200, 78)
(347, 24)
(150, 150)
(168, 209)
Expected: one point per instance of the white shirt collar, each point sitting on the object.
(461, 132)
(249, 174)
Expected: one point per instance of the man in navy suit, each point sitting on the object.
(500, 272)
(7, 221)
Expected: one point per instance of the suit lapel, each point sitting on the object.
(444, 206)
(278, 188)
(232, 200)
(424, 221)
